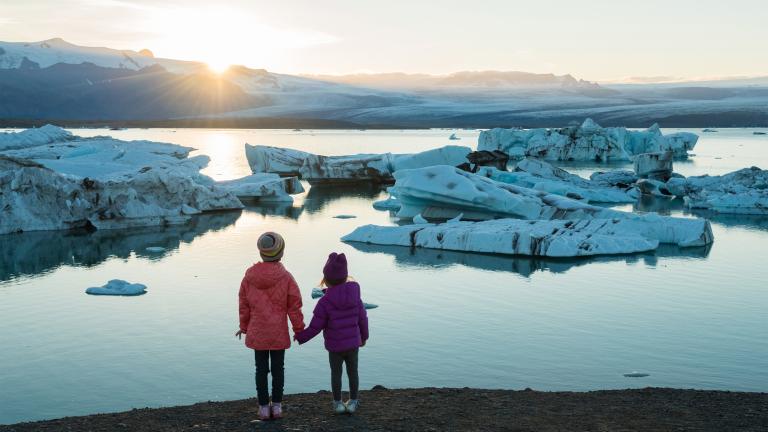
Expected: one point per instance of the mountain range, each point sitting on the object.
(56, 81)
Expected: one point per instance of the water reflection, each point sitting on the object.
(754, 222)
(319, 197)
(524, 266)
(286, 210)
(660, 205)
(36, 253)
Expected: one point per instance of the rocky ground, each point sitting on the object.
(432, 409)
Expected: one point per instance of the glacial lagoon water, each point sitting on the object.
(691, 318)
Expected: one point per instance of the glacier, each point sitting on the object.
(319, 169)
(441, 192)
(587, 142)
(546, 238)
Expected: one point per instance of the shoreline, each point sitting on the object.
(422, 409)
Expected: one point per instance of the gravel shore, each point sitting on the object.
(433, 409)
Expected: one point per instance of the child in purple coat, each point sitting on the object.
(341, 316)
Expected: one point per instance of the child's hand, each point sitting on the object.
(362, 344)
(239, 334)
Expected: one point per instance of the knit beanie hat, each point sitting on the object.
(271, 246)
(336, 267)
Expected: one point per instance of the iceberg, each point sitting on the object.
(545, 238)
(390, 203)
(655, 166)
(118, 287)
(540, 175)
(319, 169)
(34, 137)
(740, 192)
(36, 198)
(453, 137)
(263, 187)
(442, 192)
(588, 142)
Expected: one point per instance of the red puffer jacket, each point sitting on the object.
(268, 297)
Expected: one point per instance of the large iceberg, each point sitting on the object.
(442, 192)
(36, 198)
(549, 238)
(376, 168)
(263, 187)
(34, 137)
(540, 175)
(740, 192)
(588, 142)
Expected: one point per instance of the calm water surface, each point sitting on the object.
(689, 318)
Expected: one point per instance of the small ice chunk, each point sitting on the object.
(419, 219)
(636, 374)
(453, 137)
(370, 305)
(155, 249)
(345, 216)
(456, 219)
(118, 287)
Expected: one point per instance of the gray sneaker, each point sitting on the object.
(352, 405)
(339, 407)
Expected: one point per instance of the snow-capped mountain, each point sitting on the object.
(58, 81)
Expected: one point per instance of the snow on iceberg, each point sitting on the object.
(539, 175)
(547, 238)
(36, 198)
(442, 192)
(34, 137)
(118, 287)
(377, 168)
(106, 158)
(740, 192)
(263, 187)
(588, 142)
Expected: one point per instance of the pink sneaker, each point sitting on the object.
(277, 411)
(264, 412)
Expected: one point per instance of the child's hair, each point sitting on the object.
(329, 283)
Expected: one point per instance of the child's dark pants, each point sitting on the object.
(263, 366)
(337, 360)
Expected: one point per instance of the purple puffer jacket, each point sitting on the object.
(341, 316)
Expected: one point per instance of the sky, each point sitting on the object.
(597, 40)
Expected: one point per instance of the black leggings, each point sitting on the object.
(263, 360)
(337, 360)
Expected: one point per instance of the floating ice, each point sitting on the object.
(390, 203)
(550, 238)
(155, 249)
(636, 375)
(38, 199)
(377, 168)
(740, 192)
(344, 216)
(419, 219)
(588, 142)
(709, 130)
(118, 287)
(34, 137)
(654, 187)
(442, 192)
(456, 219)
(453, 137)
(263, 187)
(656, 166)
(540, 175)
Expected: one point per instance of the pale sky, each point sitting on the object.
(597, 40)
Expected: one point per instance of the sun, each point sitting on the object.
(218, 66)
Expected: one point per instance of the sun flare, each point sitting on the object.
(218, 67)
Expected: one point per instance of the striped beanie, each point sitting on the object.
(271, 246)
